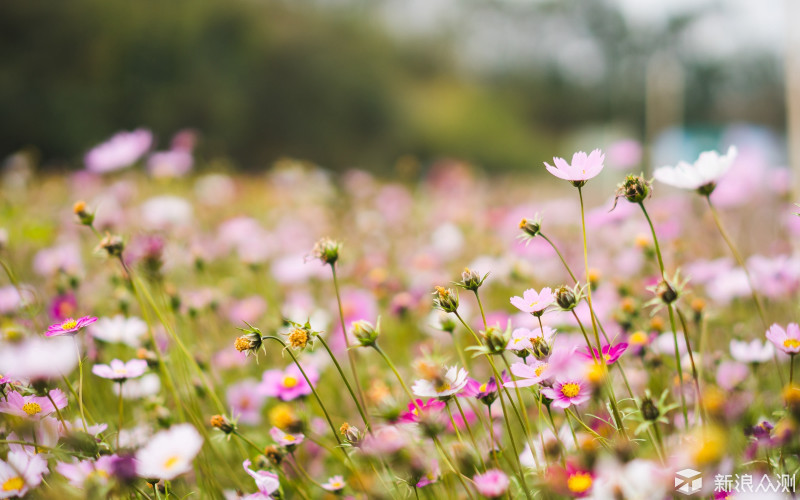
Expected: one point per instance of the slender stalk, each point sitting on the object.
(469, 431)
(563, 261)
(350, 353)
(58, 412)
(522, 408)
(119, 427)
(480, 306)
(80, 384)
(347, 384)
(791, 369)
(695, 375)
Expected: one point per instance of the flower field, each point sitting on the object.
(171, 331)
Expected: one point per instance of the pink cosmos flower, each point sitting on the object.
(534, 302)
(731, 373)
(288, 384)
(754, 351)
(610, 353)
(246, 401)
(529, 375)
(566, 393)
(20, 472)
(430, 477)
(412, 415)
(582, 169)
(493, 483)
(120, 371)
(122, 150)
(787, 340)
(266, 482)
(285, 439)
(523, 338)
(33, 407)
(77, 472)
(335, 483)
(69, 326)
(63, 306)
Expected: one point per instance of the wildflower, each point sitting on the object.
(84, 216)
(222, 423)
(288, 384)
(246, 401)
(365, 332)
(274, 454)
(327, 250)
(537, 342)
(19, 473)
(169, 453)
(33, 407)
(122, 150)
(441, 385)
(702, 175)
(610, 354)
(413, 414)
(496, 339)
(445, 299)
(112, 244)
(787, 340)
(429, 477)
(492, 484)
(530, 375)
(286, 439)
(579, 482)
(567, 298)
(128, 331)
(534, 302)
(351, 433)
(69, 326)
(120, 371)
(582, 169)
(283, 416)
(335, 483)
(471, 280)
(250, 342)
(37, 358)
(79, 472)
(751, 352)
(566, 393)
(486, 393)
(266, 482)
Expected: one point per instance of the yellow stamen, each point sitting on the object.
(14, 484)
(31, 408)
(69, 324)
(791, 343)
(171, 462)
(570, 390)
(539, 369)
(579, 482)
(482, 388)
(289, 381)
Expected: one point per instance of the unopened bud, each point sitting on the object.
(566, 299)
(112, 244)
(496, 339)
(649, 410)
(471, 280)
(327, 250)
(666, 292)
(222, 423)
(445, 299)
(531, 227)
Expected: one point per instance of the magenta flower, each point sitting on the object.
(493, 483)
(335, 483)
(566, 393)
(69, 326)
(63, 306)
(610, 353)
(33, 407)
(787, 340)
(486, 392)
(285, 439)
(412, 415)
(266, 482)
(120, 371)
(78, 472)
(582, 169)
(534, 302)
(288, 384)
(246, 401)
(122, 150)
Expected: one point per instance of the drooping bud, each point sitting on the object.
(298, 338)
(249, 343)
(445, 299)
(112, 244)
(531, 227)
(365, 332)
(222, 423)
(327, 250)
(84, 216)
(666, 292)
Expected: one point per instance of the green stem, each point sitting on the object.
(695, 375)
(119, 427)
(791, 369)
(480, 306)
(350, 353)
(347, 384)
(80, 384)
(563, 261)
(469, 431)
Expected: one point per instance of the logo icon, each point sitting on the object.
(688, 481)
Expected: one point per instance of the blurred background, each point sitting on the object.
(383, 85)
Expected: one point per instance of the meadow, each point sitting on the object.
(173, 330)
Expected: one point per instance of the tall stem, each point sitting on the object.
(119, 427)
(347, 384)
(469, 431)
(80, 383)
(480, 306)
(350, 354)
(564, 262)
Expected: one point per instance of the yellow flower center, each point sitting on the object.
(289, 381)
(791, 343)
(570, 390)
(31, 408)
(445, 386)
(638, 338)
(289, 437)
(336, 484)
(171, 462)
(579, 482)
(534, 303)
(482, 388)
(69, 324)
(539, 369)
(14, 484)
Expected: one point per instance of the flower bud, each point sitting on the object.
(84, 216)
(445, 299)
(447, 323)
(531, 227)
(650, 410)
(496, 339)
(327, 250)
(351, 433)
(566, 298)
(298, 338)
(471, 280)
(666, 292)
(112, 244)
(365, 332)
(249, 343)
(274, 455)
(634, 188)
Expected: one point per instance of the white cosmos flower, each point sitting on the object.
(754, 351)
(169, 453)
(708, 168)
(119, 329)
(453, 382)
